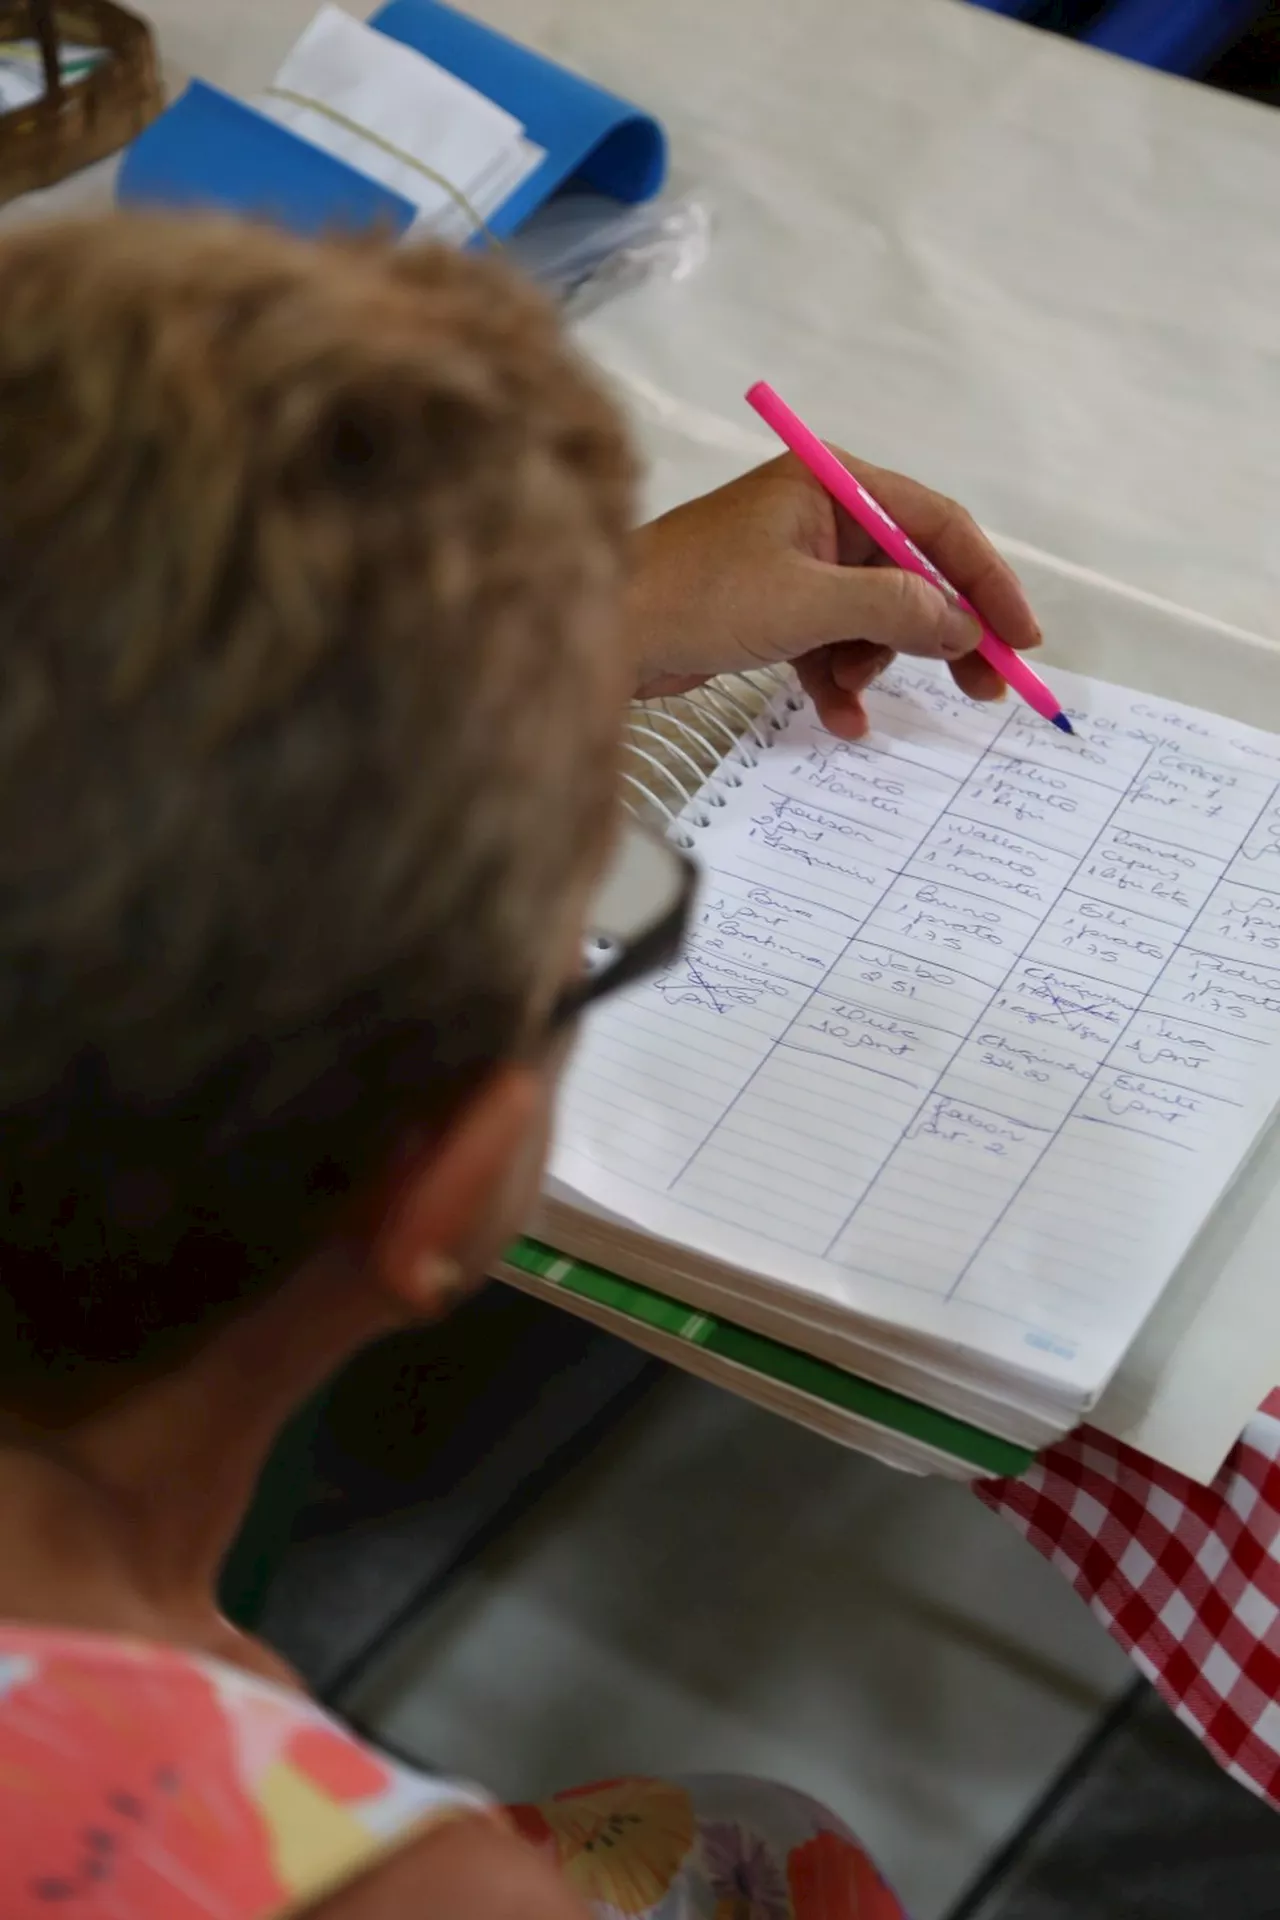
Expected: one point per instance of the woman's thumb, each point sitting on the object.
(886, 606)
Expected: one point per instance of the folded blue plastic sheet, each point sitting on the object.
(209, 149)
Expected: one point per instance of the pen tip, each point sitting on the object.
(1061, 721)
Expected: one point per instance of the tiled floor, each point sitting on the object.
(718, 1590)
(1152, 1831)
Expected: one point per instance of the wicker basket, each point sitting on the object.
(78, 121)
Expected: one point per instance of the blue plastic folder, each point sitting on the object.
(211, 150)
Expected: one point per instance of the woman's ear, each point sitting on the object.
(458, 1197)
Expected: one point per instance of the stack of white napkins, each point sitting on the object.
(402, 120)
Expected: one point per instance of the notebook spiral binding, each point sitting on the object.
(684, 752)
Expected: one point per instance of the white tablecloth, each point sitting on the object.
(1044, 280)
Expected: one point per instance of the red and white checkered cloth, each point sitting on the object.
(1186, 1578)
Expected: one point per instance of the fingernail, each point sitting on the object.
(961, 632)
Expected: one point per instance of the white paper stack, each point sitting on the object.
(748, 1137)
(402, 120)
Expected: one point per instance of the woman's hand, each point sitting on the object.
(768, 569)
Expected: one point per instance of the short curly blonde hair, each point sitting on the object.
(309, 676)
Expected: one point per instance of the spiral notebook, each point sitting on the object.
(976, 1027)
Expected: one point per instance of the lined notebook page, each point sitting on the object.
(976, 1021)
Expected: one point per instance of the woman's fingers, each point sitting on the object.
(881, 604)
(836, 677)
(978, 678)
(957, 546)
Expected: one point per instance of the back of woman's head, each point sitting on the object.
(307, 718)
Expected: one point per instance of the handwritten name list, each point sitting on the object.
(970, 1008)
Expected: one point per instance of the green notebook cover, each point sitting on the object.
(770, 1358)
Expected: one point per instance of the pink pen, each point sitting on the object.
(850, 493)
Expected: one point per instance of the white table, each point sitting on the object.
(1044, 280)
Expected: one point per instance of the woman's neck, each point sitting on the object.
(121, 1522)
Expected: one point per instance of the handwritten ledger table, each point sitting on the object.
(974, 1023)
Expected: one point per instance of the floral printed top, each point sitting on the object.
(139, 1782)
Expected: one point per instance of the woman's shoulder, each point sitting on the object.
(141, 1778)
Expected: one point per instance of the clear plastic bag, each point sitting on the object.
(584, 249)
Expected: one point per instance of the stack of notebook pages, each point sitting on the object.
(950, 1128)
